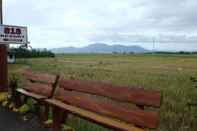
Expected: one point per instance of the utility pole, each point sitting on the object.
(1, 14)
(3, 58)
(153, 49)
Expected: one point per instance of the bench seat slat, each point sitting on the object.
(122, 93)
(30, 94)
(138, 117)
(110, 122)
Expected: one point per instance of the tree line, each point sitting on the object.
(34, 53)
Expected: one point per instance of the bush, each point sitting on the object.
(194, 102)
(3, 97)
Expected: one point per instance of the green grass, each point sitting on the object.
(169, 74)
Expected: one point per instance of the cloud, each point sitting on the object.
(79, 22)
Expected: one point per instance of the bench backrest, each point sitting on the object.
(112, 101)
(40, 83)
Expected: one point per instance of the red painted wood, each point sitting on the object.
(56, 119)
(138, 96)
(3, 68)
(39, 77)
(137, 117)
(54, 86)
(38, 88)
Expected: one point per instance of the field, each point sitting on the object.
(169, 74)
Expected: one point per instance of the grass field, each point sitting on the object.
(169, 74)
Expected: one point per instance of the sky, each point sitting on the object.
(172, 24)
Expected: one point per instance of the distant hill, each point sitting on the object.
(100, 48)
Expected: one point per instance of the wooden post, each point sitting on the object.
(59, 117)
(3, 59)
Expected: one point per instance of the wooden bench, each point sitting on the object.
(116, 107)
(38, 86)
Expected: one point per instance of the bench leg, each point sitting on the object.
(65, 116)
(43, 110)
(57, 118)
(17, 100)
(46, 112)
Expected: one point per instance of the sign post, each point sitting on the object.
(3, 59)
(8, 35)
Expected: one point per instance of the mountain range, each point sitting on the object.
(100, 48)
